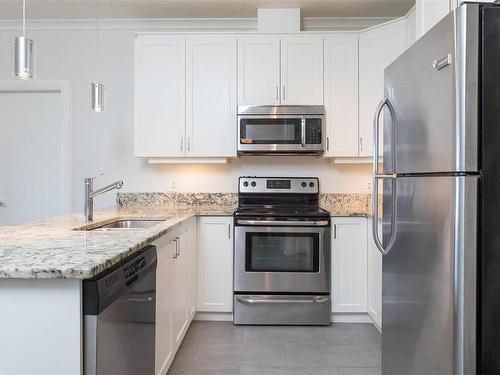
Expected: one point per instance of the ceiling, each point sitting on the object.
(81, 9)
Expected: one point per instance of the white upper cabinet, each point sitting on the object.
(430, 12)
(159, 95)
(378, 48)
(185, 96)
(211, 96)
(258, 70)
(302, 70)
(349, 265)
(274, 70)
(341, 95)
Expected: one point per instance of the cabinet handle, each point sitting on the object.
(277, 93)
(283, 98)
(327, 143)
(189, 144)
(229, 231)
(360, 144)
(182, 143)
(178, 246)
(176, 252)
(334, 231)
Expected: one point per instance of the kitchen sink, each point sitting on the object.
(126, 224)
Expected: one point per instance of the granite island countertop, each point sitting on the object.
(53, 249)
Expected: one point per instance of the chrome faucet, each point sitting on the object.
(90, 194)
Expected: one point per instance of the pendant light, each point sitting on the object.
(96, 88)
(23, 52)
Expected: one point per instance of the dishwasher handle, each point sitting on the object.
(108, 286)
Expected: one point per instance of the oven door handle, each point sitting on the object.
(255, 301)
(294, 223)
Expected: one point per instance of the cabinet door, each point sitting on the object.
(428, 13)
(378, 48)
(180, 320)
(159, 96)
(189, 247)
(215, 264)
(374, 278)
(302, 70)
(164, 351)
(211, 96)
(258, 70)
(349, 265)
(341, 95)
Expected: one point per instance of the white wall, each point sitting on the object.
(103, 142)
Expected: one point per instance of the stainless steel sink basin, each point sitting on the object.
(126, 224)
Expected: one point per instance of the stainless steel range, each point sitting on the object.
(282, 253)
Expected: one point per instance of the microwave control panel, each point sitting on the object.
(313, 131)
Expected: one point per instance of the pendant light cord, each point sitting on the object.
(97, 39)
(24, 17)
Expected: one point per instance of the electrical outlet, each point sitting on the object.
(369, 185)
(171, 184)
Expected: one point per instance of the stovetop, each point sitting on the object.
(279, 197)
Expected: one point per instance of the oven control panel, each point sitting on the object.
(292, 185)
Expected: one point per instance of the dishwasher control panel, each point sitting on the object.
(135, 268)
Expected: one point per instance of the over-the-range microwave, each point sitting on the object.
(289, 130)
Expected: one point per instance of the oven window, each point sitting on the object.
(282, 252)
(270, 131)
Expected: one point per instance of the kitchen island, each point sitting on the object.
(42, 265)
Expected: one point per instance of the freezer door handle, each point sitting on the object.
(376, 130)
(375, 214)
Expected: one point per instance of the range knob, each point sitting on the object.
(311, 184)
(253, 184)
(245, 184)
(303, 184)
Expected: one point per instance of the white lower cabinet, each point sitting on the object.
(215, 264)
(164, 344)
(349, 265)
(374, 278)
(175, 291)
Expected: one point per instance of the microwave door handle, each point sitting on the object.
(303, 132)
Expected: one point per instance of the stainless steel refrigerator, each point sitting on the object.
(441, 200)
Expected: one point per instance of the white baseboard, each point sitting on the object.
(214, 316)
(351, 318)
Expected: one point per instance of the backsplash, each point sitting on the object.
(336, 203)
(176, 199)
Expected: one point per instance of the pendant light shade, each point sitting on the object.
(23, 57)
(97, 95)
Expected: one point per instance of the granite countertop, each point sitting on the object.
(52, 248)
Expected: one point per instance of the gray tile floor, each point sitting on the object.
(213, 348)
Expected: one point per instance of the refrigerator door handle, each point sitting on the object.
(375, 214)
(376, 130)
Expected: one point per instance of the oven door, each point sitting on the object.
(280, 133)
(282, 259)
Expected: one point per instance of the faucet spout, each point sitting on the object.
(115, 185)
(90, 194)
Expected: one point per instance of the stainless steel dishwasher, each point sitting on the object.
(119, 317)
